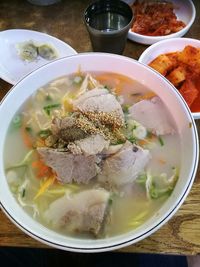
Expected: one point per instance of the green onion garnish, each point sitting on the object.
(48, 108)
(44, 133)
(161, 141)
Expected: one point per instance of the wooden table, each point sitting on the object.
(181, 235)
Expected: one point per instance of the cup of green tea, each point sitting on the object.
(108, 22)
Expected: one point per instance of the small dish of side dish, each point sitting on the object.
(178, 60)
(158, 20)
(23, 51)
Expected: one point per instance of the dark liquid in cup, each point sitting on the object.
(108, 21)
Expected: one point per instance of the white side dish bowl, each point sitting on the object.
(167, 46)
(103, 63)
(185, 11)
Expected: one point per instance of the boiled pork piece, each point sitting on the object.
(80, 212)
(98, 100)
(91, 145)
(124, 166)
(153, 115)
(69, 167)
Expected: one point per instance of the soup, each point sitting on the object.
(96, 155)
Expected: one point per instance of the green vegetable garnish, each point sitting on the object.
(132, 139)
(48, 108)
(125, 108)
(44, 133)
(161, 141)
(110, 201)
(23, 192)
(142, 178)
(158, 186)
(17, 122)
(155, 192)
(48, 98)
(28, 129)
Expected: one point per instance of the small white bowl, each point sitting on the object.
(167, 46)
(186, 12)
(100, 62)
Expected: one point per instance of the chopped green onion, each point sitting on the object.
(23, 192)
(119, 142)
(125, 108)
(44, 133)
(28, 129)
(156, 193)
(161, 141)
(17, 122)
(132, 139)
(142, 178)
(110, 201)
(48, 98)
(48, 108)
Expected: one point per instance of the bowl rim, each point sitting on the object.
(159, 223)
(148, 51)
(149, 39)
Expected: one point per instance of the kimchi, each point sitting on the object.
(155, 18)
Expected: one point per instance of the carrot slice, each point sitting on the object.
(41, 169)
(47, 183)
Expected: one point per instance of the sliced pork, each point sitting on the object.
(81, 212)
(124, 166)
(69, 167)
(153, 115)
(98, 100)
(91, 145)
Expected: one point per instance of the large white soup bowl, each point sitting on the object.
(90, 62)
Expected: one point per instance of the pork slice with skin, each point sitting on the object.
(91, 145)
(124, 166)
(80, 212)
(98, 100)
(153, 115)
(69, 167)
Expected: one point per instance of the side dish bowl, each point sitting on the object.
(104, 63)
(167, 46)
(185, 12)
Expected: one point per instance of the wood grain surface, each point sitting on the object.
(181, 235)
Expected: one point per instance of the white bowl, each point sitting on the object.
(186, 12)
(166, 46)
(106, 63)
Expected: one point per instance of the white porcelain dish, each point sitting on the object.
(166, 46)
(12, 68)
(186, 12)
(106, 63)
